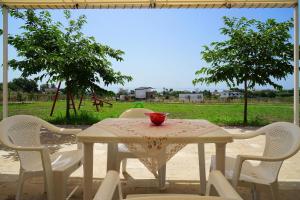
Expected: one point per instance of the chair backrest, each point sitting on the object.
(23, 131)
(282, 141)
(135, 113)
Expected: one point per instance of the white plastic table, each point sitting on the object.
(114, 131)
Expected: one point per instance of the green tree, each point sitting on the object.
(122, 91)
(23, 85)
(207, 94)
(60, 52)
(255, 53)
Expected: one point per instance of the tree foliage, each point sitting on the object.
(23, 85)
(254, 53)
(56, 52)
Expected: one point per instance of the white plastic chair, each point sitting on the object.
(123, 153)
(110, 188)
(282, 142)
(22, 133)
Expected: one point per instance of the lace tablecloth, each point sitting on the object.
(156, 149)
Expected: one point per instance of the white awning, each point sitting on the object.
(87, 4)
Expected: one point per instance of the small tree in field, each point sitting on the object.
(255, 53)
(50, 50)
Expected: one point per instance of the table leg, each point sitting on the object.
(112, 151)
(220, 156)
(88, 171)
(162, 177)
(202, 173)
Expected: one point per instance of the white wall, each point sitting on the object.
(122, 97)
(140, 94)
(228, 94)
(191, 97)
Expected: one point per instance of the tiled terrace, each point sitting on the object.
(182, 172)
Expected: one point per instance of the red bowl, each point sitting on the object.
(157, 118)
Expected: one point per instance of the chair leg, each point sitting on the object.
(60, 184)
(208, 188)
(274, 190)
(162, 177)
(254, 194)
(20, 185)
(202, 173)
(124, 165)
(49, 186)
(45, 188)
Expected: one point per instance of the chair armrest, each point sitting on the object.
(62, 131)
(69, 131)
(240, 160)
(222, 186)
(108, 186)
(39, 148)
(22, 148)
(246, 135)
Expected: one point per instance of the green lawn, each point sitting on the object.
(222, 114)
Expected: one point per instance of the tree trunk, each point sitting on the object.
(55, 98)
(68, 116)
(245, 103)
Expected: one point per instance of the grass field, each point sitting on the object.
(222, 114)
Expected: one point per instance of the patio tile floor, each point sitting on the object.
(182, 172)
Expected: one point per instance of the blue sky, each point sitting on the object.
(162, 47)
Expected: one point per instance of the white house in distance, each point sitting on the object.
(144, 93)
(226, 94)
(50, 90)
(191, 97)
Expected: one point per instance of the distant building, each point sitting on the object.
(126, 97)
(191, 97)
(226, 94)
(216, 93)
(144, 93)
(122, 97)
(50, 90)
